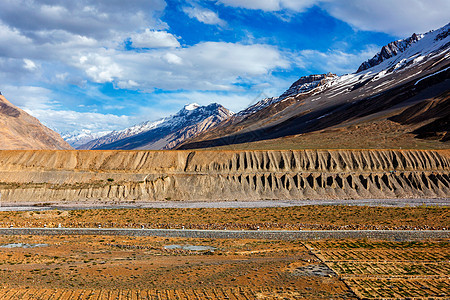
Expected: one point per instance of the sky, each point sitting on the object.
(103, 65)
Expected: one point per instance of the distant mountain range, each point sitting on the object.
(398, 98)
(165, 133)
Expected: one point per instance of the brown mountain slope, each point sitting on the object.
(299, 121)
(424, 125)
(20, 131)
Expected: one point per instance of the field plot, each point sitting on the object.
(389, 270)
(375, 288)
(185, 294)
(121, 267)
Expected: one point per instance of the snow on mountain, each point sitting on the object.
(121, 134)
(395, 56)
(388, 51)
(140, 136)
(191, 106)
(392, 57)
(396, 77)
(305, 85)
(409, 51)
(78, 138)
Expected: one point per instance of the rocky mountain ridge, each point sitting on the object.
(304, 85)
(388, 51)
(165, 133)
(403, 74)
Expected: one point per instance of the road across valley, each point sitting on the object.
(395, 235)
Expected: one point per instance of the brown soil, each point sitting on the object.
(106, 267)
(304, 217)
(384, 134)
(112, 263)
(389, 270)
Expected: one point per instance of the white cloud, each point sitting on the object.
(38, 102)
(100, 19)
(69, 121)
(271, 5)
(399, 17)
(173, 59)
(100, 67)
(203, 15)
(29, 64)
(154, 39)
(28, 97)
(205, 66)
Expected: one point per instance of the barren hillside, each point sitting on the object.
(19, 130)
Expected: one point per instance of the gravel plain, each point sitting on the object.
(223, 204)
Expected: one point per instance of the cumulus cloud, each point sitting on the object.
(100, 19)
(203, 15)
(29, 64)
(65, 121)
(28, 97)
(205, 66)
(38, 102)
(154, 39)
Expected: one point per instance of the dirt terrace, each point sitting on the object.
(65, 176)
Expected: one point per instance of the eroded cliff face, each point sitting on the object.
(53, 176)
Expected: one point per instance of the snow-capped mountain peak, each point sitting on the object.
(190, 115)
(78, 138)
(191, 106)
(429, 42)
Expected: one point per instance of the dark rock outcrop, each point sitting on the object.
(388, 51)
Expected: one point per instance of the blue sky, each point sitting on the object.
(105, 65)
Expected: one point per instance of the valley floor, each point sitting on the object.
(411, 261)
(121, 267)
